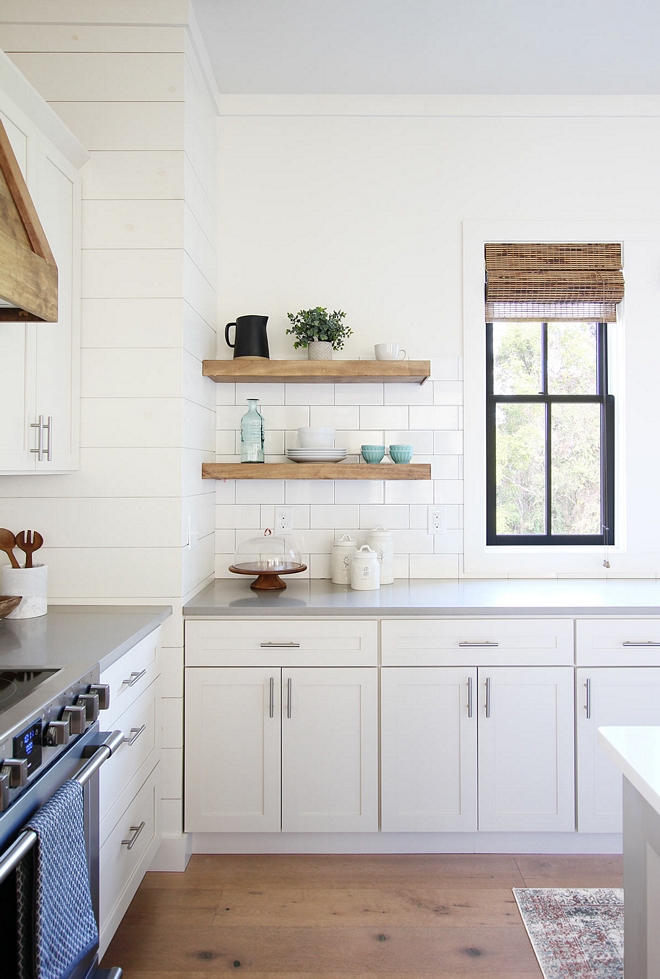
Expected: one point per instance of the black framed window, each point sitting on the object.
(549, 434)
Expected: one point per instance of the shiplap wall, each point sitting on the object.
(135, 524)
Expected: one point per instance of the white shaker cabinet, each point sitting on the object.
(40, 390)
(526, 772)
(429, 749)
(270, 749)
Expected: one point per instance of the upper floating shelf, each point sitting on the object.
(251, 370)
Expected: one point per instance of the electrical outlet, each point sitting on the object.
(192, 532)
(437, 520)
(284, 519)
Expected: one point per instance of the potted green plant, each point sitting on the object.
(320, 331)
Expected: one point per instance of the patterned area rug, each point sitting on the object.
(577, 932)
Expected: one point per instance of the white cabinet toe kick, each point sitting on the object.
(411, 735)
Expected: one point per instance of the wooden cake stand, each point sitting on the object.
(268, 578)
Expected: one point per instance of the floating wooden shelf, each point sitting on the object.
(312, 470)
(247, 369)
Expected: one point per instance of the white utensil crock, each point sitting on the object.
(342, 554)
(365, 570)
(382, 543)
(32, 584)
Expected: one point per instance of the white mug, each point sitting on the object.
(389, 351)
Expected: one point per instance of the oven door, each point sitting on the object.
(66, 766)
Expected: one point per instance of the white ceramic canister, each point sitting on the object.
(365, 570)
(382, 543)
(32, 584)
(342, 554)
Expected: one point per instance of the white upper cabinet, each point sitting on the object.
(40, 390)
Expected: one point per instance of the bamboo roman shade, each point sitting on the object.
(553, 282)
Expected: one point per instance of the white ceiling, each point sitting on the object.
(499, 47)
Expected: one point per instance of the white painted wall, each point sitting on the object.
(362, 203)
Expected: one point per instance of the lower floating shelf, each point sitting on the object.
(311, 470)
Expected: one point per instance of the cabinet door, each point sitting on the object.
(626, 696)
(330, 750)
(526, 749)
(428, 749)
(232, 781)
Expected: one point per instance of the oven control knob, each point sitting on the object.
(17, 769)
(56, 733)
(103, 691)
(4, 791)
(91, 704)
(76, 716)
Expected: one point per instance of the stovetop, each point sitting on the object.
(15, 685)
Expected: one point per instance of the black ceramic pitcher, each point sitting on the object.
(250, 339)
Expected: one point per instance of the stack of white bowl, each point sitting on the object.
(316, 445)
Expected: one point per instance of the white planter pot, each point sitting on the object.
(32, 584)
(319, 350)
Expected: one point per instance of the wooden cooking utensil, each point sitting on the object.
(7, 544)
(29, 542)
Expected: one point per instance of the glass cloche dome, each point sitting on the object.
(268, 556)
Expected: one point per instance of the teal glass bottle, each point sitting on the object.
(252, 433)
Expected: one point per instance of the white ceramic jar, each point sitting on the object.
(382, 543)
(365, 570)
(342, 554)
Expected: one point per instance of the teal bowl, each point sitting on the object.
(400, 453)
(372, 453)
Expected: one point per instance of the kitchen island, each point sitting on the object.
(636, 753)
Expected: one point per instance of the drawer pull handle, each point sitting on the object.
(469, 703)
(478, 644)
(289, 696)
(587, 706)
(135, 732)
(271, 698)
(133, 679)
(649, 642)
(135, 830)
(280, 645)
(488, 697)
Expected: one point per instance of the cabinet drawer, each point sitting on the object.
(118, 864)
(313, 642)
(139, 722)
(618, 642)
(129, 676)
(477, 642)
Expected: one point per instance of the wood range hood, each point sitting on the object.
(28, 273)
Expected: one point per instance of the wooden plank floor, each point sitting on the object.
(402, 916)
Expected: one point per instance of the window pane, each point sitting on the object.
(520, 475)
(516, 358)
(576, 469)
(572, 360)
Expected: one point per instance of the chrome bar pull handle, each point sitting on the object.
(280, 645)
(648, 642)
(134, 735)
(135, 830)
(587, 705)
(289, 692)
(469, 703)
(49, 450)
(478, 645)
(271, 698)
(488, 696)
(39, 451)
(133, 678)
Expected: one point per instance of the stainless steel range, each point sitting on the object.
(49, 733)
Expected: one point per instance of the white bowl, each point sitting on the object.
(316, 437)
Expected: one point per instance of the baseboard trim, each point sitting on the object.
(406, 843)
(173, 853)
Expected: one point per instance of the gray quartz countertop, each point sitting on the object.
(428, 597)
(76, 635)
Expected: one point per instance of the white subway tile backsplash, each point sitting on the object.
(260, 491)
(266, 394)
(434, 417)
(446, 368)
(225, 394)
(225, 492)
(309, 491)
(222, 563)
(448, 392)
(225, 442)
(401, 566)
(422, 442)
(318, 541)
(309, 394)
(434, 565)
(352, 441)
(409, 491)
(335, 517)
(237, 516)
(333, 416)
(391, 416)
(300, 517)
(390, 516)
(285, 417)
(448, 491)
(359, 491)
(418, 517)
(451, 542)
(448, 443)
(408, 394)
(320, 566)
(225, 541)
(446, 467)
(412, 542)
(359, 394)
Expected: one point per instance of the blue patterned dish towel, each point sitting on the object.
(56, 924)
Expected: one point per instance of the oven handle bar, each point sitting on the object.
(13, 856)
